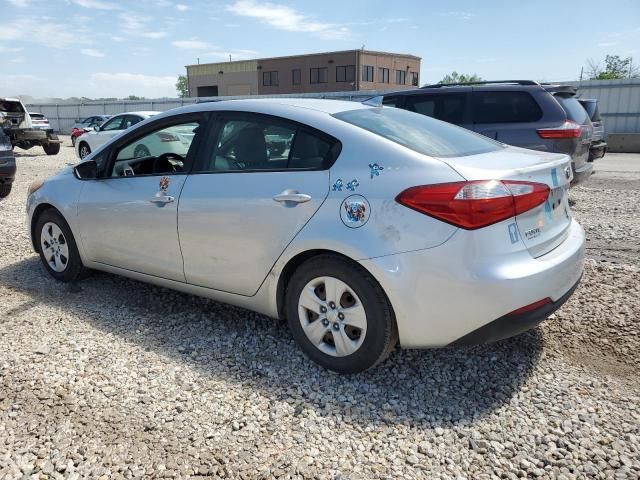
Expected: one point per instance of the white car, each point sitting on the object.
(359, 224)
(91, 140)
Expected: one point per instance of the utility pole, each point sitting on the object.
(630, 65)
(581, 70)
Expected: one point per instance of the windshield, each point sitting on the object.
(423, 134)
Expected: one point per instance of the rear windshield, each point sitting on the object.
(37, 116)
(592, 109)
(418, 132)
(574, 110)
(10, 107)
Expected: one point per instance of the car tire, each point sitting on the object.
(51, 148)
(363, 337)
(83, 150)
(57, 247)
(5, 189)
(73, 141)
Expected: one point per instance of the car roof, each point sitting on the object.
(329, 106)
(145, 114)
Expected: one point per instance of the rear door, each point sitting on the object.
(258, 182)
(509, 116)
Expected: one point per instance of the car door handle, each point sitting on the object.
(292, 196)
(162, 199)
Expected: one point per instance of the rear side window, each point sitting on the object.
(571, 105)
(448, 108)
(505, 107)
(419, 132)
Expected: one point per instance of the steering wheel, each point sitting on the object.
(162, 164)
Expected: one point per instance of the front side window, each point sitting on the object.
(446, 107)
(161, 152)
(270, 79)
(130, 121)
(505, 107)
(346, 73)
(401, 77)
(367, 73)
(318, 75)
(419, 132)
(114, 124)
(296, 76)
(247, 142)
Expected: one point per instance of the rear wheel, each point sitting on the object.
(339, 315)
(57, 246)
(51, 148)
(84, 150)
(5, 189)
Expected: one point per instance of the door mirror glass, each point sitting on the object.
(86, 170)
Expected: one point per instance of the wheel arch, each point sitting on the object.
(294, 262)
(39, 210)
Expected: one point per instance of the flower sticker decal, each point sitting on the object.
(164, 184)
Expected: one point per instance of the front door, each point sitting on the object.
(261, 181)
(128, 217)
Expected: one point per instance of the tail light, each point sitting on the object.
(167, 137)
(568, 129)
(474, 204)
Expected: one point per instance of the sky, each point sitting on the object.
(111, 48)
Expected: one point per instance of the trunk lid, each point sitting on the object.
(544, 227)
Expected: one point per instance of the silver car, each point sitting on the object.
(360, 225)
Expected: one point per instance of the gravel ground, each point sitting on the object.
(117, 379)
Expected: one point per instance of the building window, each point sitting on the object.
(401, 77)
(270, 79)
(319, 75)
(296, 76)
(367, 73)
(346, 73)
(414, 79)
(383, 75)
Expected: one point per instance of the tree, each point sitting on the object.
(455, 77)
(134, 97)
(615, 67)
(182, 87)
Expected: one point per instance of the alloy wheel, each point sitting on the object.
(332, 316)
(84, 150)
(54, 247)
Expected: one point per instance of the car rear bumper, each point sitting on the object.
(597, 150)
(443, 294)
(581, 173)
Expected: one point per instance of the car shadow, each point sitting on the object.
(27, 153)
(419, 387)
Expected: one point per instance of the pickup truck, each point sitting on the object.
(17, 125)
(7, 165)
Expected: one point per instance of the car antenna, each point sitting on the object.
(374, 101)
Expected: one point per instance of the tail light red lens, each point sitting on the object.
(568, 129)
(474, 204)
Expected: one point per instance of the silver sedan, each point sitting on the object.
(361, 225)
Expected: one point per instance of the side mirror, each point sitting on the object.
(95, 126)
(86, 170)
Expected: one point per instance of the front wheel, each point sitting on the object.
(57, 246)
(5, 189)
(339, 315)
(51, 148)
(84, 150)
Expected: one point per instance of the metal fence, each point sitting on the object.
(619, 104)
(62, 116)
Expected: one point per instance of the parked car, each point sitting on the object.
(371, 226)
(85, 125)
(92, 139)
(599, 145)
(39, 121)
(522, 113)
(7, 165)
(17, 125)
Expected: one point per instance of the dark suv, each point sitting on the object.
(518, 112)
